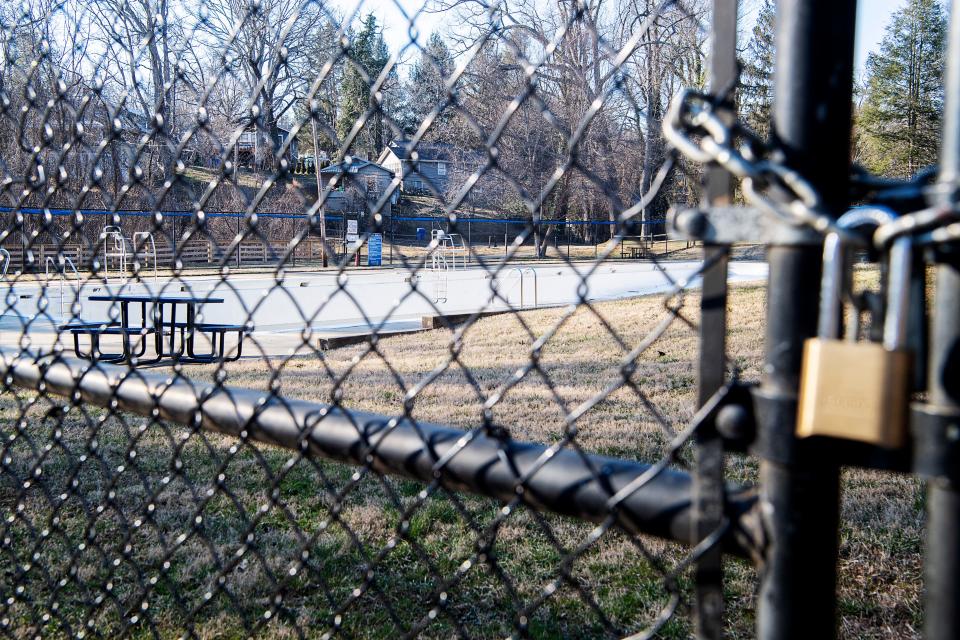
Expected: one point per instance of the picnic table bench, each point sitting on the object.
(97, 329)
(633, 247)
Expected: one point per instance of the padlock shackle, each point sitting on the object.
(834, 281)
(868, 216)
(898, 294)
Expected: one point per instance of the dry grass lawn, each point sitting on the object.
(96, 504)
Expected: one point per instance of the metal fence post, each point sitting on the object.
(708, 479)
(942, 561)
(800, 489)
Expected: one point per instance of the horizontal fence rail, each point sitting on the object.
(641, 498)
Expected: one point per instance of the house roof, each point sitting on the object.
(426, 151)
(352, 165)
(101, 113)
(252, 127)
(134, 120)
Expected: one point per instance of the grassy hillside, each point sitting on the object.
(188, 503)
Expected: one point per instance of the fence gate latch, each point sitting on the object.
(729, 225)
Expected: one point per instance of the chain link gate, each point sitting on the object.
(196, 448)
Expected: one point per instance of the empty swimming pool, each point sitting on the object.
(360, 297)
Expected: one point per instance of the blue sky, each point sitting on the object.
(872, 19)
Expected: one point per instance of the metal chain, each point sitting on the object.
(694, 128)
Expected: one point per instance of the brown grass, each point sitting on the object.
(281, 505)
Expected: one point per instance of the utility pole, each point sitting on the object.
(316, 171)
(236, 183)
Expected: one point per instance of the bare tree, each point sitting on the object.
(267, 44)
(141, 41)
(577, 109)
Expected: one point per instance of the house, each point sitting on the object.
(425, 169)
(119, 130)
(359, 186)
(248, 145)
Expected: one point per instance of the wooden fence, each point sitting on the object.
(194, 253)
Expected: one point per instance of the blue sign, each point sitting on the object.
(374, 249)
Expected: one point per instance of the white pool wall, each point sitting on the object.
(359, 297)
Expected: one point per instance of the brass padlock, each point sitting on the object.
(858, 390)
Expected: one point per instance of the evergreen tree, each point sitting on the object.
(427, 87)
(368, 57)
(900, 119)
(757, 97)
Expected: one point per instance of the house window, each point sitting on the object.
(417, 184)
(441, 168)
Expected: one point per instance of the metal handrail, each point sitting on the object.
(119, 251)
(522, 271)
(61, 269)
(140, 239)
(455, 248)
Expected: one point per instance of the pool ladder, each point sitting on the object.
(443, 257)
(522, 272)
(115, 246)
(61, 269)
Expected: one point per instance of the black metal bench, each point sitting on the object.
(217, 332)
(107, 328)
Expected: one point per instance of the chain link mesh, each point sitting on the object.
(199, 419)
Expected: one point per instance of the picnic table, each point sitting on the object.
(633, 247)
(164, 323)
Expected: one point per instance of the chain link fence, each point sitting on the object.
(275, 402)
(355, 451)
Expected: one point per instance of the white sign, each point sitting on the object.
(351, 228)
